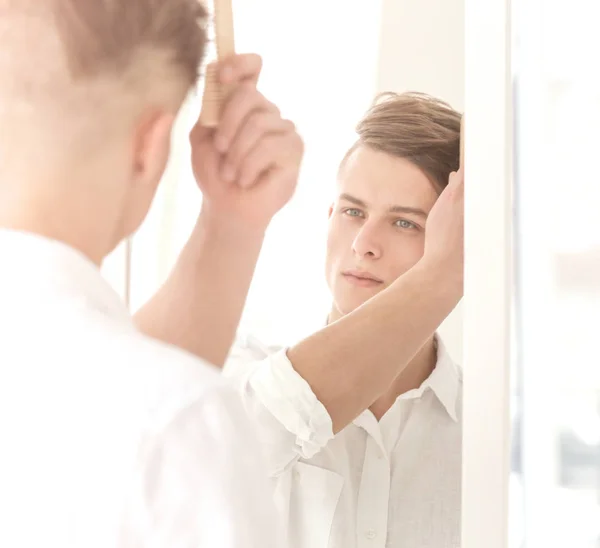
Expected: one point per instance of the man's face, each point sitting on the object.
(376, 226)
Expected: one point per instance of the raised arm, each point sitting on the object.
(352, 362)
(247, 169)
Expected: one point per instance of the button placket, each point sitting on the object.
(373, 497)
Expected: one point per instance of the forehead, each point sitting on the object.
(381, 179)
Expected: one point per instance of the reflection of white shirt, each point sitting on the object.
(108, 438)
(394, 483)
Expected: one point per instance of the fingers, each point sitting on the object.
(244, 100)
(456, 177)
(455, 187)
(252, 142)
(206, 161)
(273, 152)
(460, 184)
(241, 67)
(280, 182)
(200, 133)
(258, 125)
(237, 70)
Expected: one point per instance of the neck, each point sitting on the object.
(65, 219)
(412, 377)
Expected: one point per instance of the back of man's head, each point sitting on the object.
(73, 69)
(416, 127)
(79, 78)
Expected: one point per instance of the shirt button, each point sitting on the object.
(370, 534)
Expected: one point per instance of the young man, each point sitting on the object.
(361, 421)
(110, 438)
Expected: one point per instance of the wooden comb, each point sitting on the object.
(216, 93)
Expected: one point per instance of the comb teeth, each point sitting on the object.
(212, 98)
(215, 93)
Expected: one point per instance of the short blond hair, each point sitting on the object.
(73, 69)
(108, 35)
(416, 127)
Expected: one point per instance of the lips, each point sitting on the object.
(362, 278)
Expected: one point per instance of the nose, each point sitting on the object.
(366, 244)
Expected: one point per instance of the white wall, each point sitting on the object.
(422, 49)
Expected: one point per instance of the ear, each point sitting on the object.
(330, 213)
(152, 147)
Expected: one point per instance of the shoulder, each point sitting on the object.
(157, 378)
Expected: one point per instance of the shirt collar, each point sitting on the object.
(53, 265)
(445, 380)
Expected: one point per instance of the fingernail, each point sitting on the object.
(228, 173)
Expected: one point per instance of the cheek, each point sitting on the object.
(339, 242)
(406, 255)
(331, 258)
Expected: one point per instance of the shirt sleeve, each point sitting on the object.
(204, 483)
(291, 421)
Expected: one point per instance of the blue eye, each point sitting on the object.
(353, 212)
(402, 223)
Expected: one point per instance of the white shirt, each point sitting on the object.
(109, 439)
(394, 483)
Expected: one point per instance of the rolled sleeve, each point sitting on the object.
(291, 422)
(290, 399)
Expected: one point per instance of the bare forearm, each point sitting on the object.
(200, 305)
(352, 362)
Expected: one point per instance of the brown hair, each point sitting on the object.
(417, 127)
(109, 36)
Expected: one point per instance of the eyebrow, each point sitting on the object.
(393, 209)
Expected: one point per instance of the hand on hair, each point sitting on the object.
(247, 167)
(444, 231)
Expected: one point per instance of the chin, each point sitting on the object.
(348, 303)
